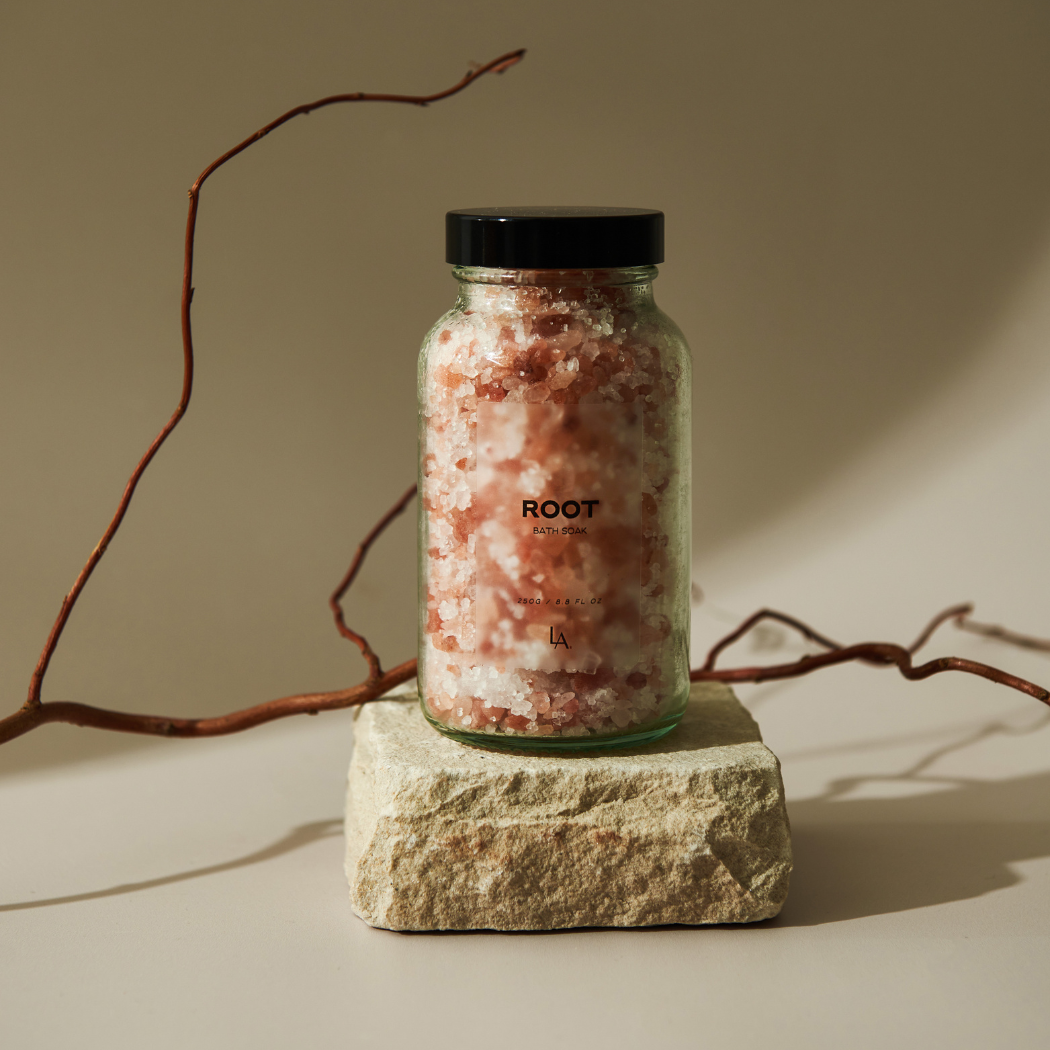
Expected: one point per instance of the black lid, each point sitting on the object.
(554, 238)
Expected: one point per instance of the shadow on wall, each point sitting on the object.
(878, 183)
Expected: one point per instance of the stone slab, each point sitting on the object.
(442, 836)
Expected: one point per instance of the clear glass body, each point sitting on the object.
(554, 524)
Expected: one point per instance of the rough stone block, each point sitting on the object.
(441, 836)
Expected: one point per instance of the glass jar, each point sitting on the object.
(554, 529)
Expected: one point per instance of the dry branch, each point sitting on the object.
(33, 711)
(886, 654)
(36, 713)
(375, 669)
(379, 682)
(1003, 634)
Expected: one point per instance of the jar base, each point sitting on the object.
(546, 745)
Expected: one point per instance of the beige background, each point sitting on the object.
(857, 200)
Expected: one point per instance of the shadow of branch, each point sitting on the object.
(303, 835)
(858, 857)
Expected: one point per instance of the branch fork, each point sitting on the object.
(35, 712)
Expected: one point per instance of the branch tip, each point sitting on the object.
(34, 712)
(39, 672)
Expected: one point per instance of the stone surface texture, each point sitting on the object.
(442, 836)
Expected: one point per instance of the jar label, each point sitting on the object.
(558, 536)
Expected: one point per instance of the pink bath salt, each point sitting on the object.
(441, 703)
(483, 714)
(560, 380)
(541, 702)
(536, 393)
(554, 556)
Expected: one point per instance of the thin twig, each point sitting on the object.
(158, 725)
(881, 653)
(373, 687)
(955, 612)
(375, 669)
(36, 682)
(757, 618)
(1003, 634)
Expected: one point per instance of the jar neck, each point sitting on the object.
(623, 286)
